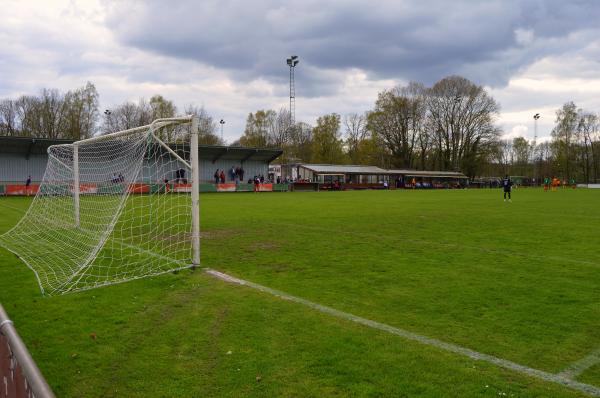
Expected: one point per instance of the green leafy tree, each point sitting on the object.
(258, 126)
(327, 145)
(564, 139)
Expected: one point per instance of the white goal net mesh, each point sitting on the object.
(130, 219)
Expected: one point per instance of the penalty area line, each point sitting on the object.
(580, 366)
(463, 351)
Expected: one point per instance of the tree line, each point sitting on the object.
(448, 126)
(52, 114)
(573, 152)
(75, 115)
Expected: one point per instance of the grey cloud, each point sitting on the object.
(415, 40)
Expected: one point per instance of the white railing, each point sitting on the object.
(19, 375)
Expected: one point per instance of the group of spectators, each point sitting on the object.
(554, 183)
(236, 174)
(117, 178)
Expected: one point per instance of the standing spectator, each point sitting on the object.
(217, 176)
(180, 176)
(232, 173)
(27, 185)
(256, 183)
(241, 173)
(222, 176)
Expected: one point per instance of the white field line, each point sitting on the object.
(536, 373)
(445, 244)
(578, 367)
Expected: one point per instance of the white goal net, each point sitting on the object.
(113, 208)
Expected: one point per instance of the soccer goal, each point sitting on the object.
(113, 208)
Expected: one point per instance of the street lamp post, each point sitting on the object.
(535, 123)
(292, 62)
(535, 119)
(222, 122)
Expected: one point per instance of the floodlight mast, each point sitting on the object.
(292, 62)
(535, 123)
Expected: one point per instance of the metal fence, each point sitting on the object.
(19, 375)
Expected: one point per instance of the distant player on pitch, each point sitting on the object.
(507, 186)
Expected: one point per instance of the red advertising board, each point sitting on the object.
(265, 187)
(227, 187)
(88, 188)
(21, 189)
(182, 188)
(138, 188)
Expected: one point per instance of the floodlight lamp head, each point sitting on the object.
(294, 57)
(295, 63)
(536, 116)
(289, 61)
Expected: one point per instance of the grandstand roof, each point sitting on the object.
(215, 153)
(30, 145)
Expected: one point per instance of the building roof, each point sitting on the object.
(354, 169)
(427, 173)
(343, 169)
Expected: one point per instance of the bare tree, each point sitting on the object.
(587, 127)
(398, 119)
(8, 118)
(127, 115)
(355, 134)
(207, 127)
(81, 112)
(279, 129)
(462, 120)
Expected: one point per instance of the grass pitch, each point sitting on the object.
(518, 280)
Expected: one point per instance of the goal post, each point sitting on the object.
(114, 208)
(76, 184)
(195, 194)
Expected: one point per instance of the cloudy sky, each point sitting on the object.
(230, 56)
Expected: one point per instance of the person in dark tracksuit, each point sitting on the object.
(507, 187)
